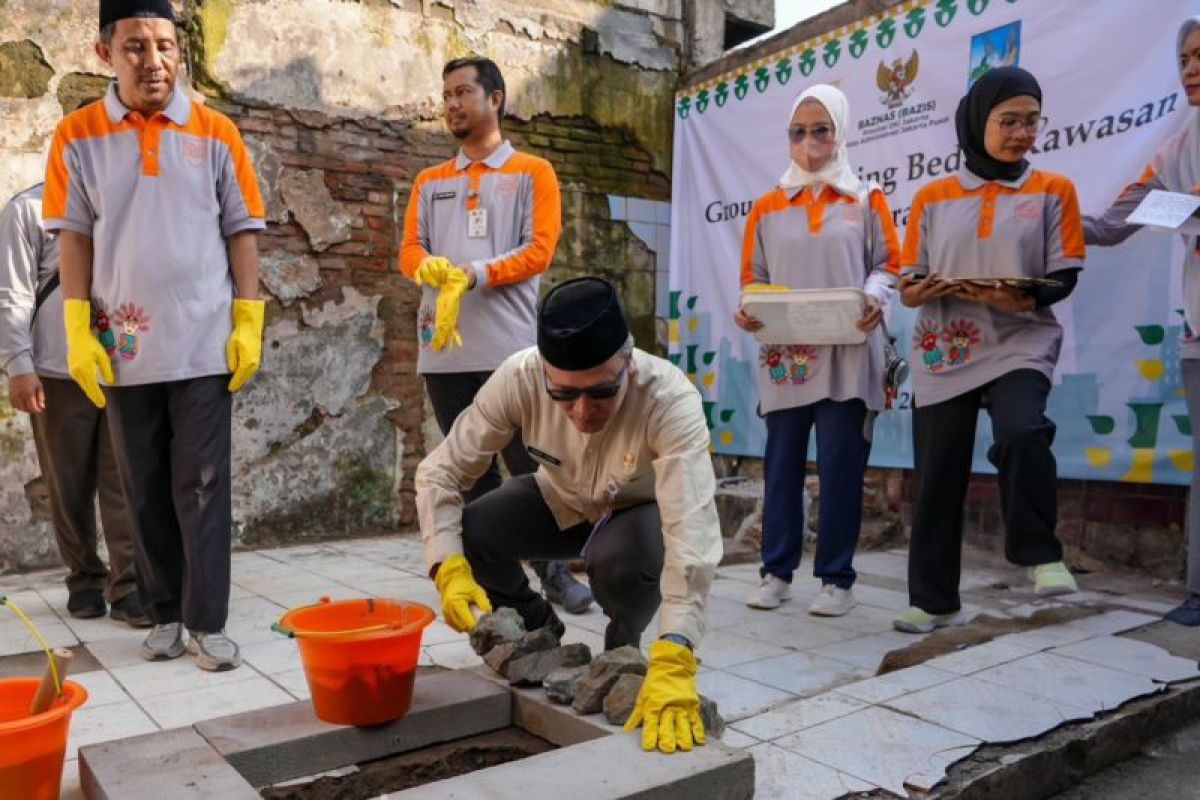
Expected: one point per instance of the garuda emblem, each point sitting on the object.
(896, 81)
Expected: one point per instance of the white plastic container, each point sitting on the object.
(807, 316)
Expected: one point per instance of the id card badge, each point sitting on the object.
(477, 223)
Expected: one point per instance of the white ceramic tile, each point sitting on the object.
(317, 588)
(105, 724)
(1113, 622)
(980, 656)
(894, 684)
(279, 655)
(800, 673)
(727, 614)
(1045, 638)
(745, 573)
(185, 708)
(721, 649)
(253, 606)
(1131, 655)
(882, 564)
(118, 652)
(860, 620)
(253, 628)
(865, 651)
(88, 630)
(782, 775)
(881, 747)
(738, 697)
(453, 655)
(153, 678)
(439, 632)
(1069, 681)
(35, 606)
(102, 689)
(21, 640)
(798, 715)
(294, 683)
(794, 632)
(594, 641)
(70, 788)
(878, 597)
(986, 711)
(735, 738)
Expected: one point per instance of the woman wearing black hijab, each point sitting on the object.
(987, 345)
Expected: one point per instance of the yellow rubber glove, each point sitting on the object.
(243, 350)
(765, 287)
(85, 354)
(668, 704)
(432, 271)
(445, 325)
(459, 592)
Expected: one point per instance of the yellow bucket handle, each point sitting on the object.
(5, 601)
(280, 628)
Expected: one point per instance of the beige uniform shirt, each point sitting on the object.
(654, 449)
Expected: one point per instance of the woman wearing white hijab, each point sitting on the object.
(1175, 168)
(820, 228)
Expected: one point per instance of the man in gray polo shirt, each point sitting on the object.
(71, 435)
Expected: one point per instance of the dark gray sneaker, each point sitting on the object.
(562, 589)
(129, 610)
(164, 642)
(214, 652)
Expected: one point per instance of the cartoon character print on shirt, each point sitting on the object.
(925, 339)
(771, 358)
(801, 368)
(961, 335)
(788, 365)
(104, 332)
(131, 320)
(425, 325)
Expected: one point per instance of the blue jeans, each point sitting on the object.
(842, 451)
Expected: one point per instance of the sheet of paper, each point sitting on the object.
(1164, 209)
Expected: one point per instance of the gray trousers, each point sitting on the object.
(1191, 388)
(172, 442)
(76, 457)
(624, 558)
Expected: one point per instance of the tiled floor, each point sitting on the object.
(799, 692)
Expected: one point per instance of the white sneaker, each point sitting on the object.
(832, 602)
(770, 593)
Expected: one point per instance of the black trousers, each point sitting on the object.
(944, 438)
(76, 456)
(172, 444)
(624, 558)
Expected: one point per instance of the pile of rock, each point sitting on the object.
(610, 682)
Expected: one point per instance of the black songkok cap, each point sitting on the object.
(113, 10)
(581, 324)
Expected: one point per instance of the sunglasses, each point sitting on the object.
(603, 391)
(821, 134)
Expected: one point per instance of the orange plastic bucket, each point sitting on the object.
(32, 749)
(359, 656)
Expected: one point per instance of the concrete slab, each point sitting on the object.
(133, 769)
(285, 742)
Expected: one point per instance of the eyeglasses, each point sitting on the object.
(604, 391)
(1010, 126)
(821, 134)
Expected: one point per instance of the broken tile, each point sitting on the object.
(782, 775)
(739, 697)
(800, 673)
(1113, 622)
(1131, 655)
(894, 684)
(1070, 682)
(798, 715)
(865, 651)
(980, 656)
(722, 649)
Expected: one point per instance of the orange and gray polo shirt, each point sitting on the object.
(159, 197)
(519, 194)
(965, 227)
(822, 240)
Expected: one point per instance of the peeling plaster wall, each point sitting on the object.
(339, 104)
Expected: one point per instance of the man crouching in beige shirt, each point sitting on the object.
(624, 479)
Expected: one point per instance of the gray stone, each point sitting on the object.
(269, 171)
(710, 715)
(620, 700)
(116, 770)
(560, 684)
(495, 629)
(606, 670)
(500, 656)
(532, 669)
(540, 639)
(324, 219)
(290, 276)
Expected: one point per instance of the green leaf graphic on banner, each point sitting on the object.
(885, 33)
(691, 303)
(741, 85)
(722, 94)
(1151, 334)
(726, 414)
(1145, 434)
(691, 360)
(783, 70)
(977, 7)
(858, 42)
(702, 100)
(807, 62)
(673, 305)
(1183, 424)
(914, 22)
(945, 12)
(1102, 426)
(685, 107)
(762, 78)
(673, 358)
(708, 357)
(832, 52)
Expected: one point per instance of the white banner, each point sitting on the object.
(1111, 97)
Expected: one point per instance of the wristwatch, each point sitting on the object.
(677, 639)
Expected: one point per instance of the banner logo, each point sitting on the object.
(896, 81)
(999, 47)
